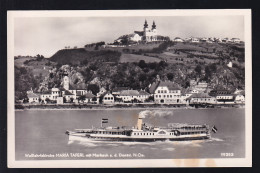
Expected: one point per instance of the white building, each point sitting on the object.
(239, 98)
(33, 98)
(108, 99)
(178, 39)
(195, 40)
(201, 98)
(235, 40)
(230, 64)
(128, 95)
(147, 35)
(166, 93)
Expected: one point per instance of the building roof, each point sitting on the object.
(55, 89)
(140, 33)
(32, 95)
(199, 95)
(219, 92)
(90, 95)
(142, 92)
(170, 85)
(77, 87)
(153, 87)
(129, 93)
(119, 89)
(68, 93)
(46, 92)
(62, 89)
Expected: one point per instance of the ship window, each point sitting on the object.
(153, 133)
(134, 133)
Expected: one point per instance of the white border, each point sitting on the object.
(226, 162)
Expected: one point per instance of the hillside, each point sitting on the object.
(135, 68)
(82, 57)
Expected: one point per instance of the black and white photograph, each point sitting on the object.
(129, 88)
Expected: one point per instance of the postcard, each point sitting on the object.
(129, 88)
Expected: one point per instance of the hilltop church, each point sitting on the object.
(147, 35)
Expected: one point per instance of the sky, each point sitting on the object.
(47, 35)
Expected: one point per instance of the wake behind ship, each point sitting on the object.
(144, 133)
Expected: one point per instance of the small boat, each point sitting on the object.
(145, 133)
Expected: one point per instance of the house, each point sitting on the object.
(167, 92)
(218, 40)
(195, 40)
(135, 37)
(222, 96)
(55, 92)
(68, 96)
(239, 98)
(201, 86)
(129, 95)
(143, 96)
(230, 64)
(116, 91)
(193, 82)
(216, 92)
(33, 98)
(46, 95)
(90, 98)
(235, 40)
(178, 39)
(201, 98)
(204, 40)
(225, 98)
(108, 99)
(102, 91)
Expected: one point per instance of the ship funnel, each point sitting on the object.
(140, 122)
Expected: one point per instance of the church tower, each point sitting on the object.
(66, 82)
(145, 26)
(154, 28)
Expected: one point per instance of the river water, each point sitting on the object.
(42, 132)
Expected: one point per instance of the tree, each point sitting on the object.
(149, 99)
(94, 88)
(142, 77)
(198, 69)
(82, 98)
(142, 64)
(170, 76)
(101, 99)
(152, 65)
(94, 99)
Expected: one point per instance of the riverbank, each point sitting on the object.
(122, 106)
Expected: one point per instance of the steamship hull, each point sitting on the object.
(144, 133)
(95, 137)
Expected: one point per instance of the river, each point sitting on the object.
(42, 132)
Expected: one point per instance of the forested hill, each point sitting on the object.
(81, 56)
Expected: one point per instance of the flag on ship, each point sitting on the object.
(104, 120)
(214, 129)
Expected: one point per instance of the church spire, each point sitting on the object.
(145, 24)
(153, 26)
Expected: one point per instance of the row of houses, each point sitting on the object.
(160, 92)
(207, 40)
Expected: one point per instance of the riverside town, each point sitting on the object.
(142, 69)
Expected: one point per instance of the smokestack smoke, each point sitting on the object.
(155, 113)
